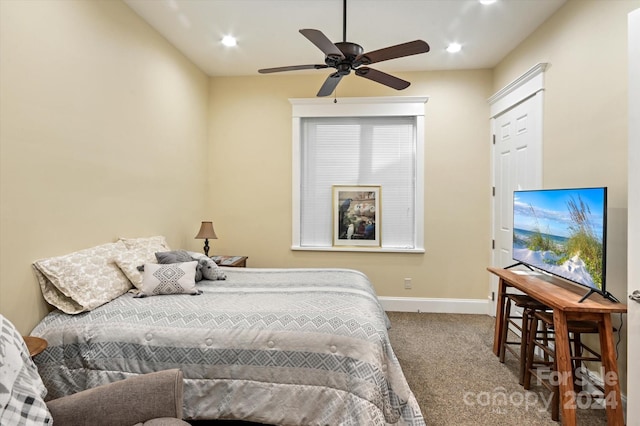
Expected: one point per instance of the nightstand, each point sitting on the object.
(35, 345)
(233, 261)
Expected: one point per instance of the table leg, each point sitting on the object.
(613, 402)
(497, 335)
(564, 373)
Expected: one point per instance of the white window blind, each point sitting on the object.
(376, 141)
(379, 150)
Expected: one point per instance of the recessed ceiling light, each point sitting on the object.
(487, 1)
(229, 41)
(454, 47)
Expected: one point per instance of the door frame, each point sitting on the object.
(529, 86)
(633, 219)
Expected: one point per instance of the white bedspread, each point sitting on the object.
(276, 346)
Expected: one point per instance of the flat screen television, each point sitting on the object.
(563, 232)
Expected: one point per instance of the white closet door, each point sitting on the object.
(516, 158)
(516, 123)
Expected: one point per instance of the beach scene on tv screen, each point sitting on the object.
(561, 232)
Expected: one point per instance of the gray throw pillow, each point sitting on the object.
(174, 256)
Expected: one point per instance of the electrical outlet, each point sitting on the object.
(407, 283)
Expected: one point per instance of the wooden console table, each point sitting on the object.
(563, 299)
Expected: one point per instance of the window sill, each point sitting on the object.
(360, 249)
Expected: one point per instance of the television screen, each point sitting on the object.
(563, 232)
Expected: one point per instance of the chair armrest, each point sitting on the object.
(125, 402)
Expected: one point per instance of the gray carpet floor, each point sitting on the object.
(457, 380)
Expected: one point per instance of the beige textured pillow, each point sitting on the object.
(173, 278)
(146, 242)
(140, 251)
(83, 280)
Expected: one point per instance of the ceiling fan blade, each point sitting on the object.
(292, 68)
(330, 84)
(383, 78)
(392, 52)
(322, 42)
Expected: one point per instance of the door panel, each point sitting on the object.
(517, 148)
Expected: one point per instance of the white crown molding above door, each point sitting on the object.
(519, 89)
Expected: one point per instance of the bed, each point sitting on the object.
(274, 346)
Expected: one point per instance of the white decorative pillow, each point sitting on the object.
(83, 280)
(21, 388)
(141, 251)
(173, 278)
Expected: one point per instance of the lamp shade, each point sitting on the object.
(206, 231)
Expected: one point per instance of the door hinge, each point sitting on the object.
(493, 191)
(494, 138)
(493, 296)
(493, 244)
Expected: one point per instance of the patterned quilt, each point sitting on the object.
(275, 346)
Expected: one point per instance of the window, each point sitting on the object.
(359, 141)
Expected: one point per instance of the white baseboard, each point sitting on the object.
(444, 306)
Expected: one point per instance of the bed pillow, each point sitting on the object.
(82, 280)
(140, 251)
(21, 388)
(175, 256)
(173, 278)
(159, 242)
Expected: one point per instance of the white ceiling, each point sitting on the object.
(267, 30)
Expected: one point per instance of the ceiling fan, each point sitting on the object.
(346, 56)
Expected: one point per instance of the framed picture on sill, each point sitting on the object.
(356, 215)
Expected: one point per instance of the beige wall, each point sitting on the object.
(103, 134)
(107, 131)
(250, 134)
(585, 112)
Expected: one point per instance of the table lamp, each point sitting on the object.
(206, 231)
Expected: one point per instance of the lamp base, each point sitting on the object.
(206, 247)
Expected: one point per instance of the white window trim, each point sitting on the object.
(359, 107)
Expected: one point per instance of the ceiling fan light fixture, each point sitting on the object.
(454, 47)
(229, 41)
